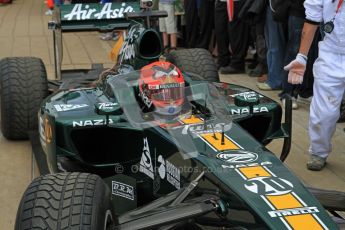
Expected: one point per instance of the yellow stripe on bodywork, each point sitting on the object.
(252, 172)
(192, 120)
(214, 139)
(284, 201)
(303, 222)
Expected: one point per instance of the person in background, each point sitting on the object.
(275, 43)
(168, 25)
(295, 25)
(329, 74)
(234, 34)
(199, 23)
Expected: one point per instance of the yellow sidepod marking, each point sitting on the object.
(284, 201)
(303, 222)
(214, 139)
(252, 172)
(192, 120)
(292, 211)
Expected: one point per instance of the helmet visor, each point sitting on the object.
(168, 93)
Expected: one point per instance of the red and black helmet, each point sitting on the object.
(161, 85)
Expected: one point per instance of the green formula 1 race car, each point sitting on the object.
(154, 143)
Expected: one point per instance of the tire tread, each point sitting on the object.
(23, 85)
(198, 61)
(58, 201)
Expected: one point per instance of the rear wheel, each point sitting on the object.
(65, 201)
(196, 61)
(23, 86)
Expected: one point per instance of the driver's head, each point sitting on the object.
(161, 85)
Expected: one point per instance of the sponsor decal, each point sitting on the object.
(123, 190)
(293, 211)
(210, 128)
(240, 156)
(146, 161)
(247, 95)
(48, 131)
(83, 12)
(170, 85)
(69, 107)
(171, 110)
(161, 168)
(128, 48)
(269, 186)
(278, 194)
(95, 122)
(246, 165)
(245, 110)
(45, 131)
(170, 171)
(107, 105)
(145, 99)
(41, 132)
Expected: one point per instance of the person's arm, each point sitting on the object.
(307, 37)
(297, 67)
(314, 15)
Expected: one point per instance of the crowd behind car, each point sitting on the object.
(257, 37)
(269, 29)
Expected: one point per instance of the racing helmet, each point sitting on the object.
(161, 87)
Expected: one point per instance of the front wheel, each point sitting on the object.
(65, 201)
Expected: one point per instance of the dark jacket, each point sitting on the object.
(297, 8)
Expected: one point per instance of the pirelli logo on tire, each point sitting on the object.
(278, 194)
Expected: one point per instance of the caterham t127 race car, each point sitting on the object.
(156, 142)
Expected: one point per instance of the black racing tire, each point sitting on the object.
(65, 201)
(23, 86)
(196, 61)
(331, 200)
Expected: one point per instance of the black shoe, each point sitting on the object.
(256, 72)
(252, 64)
(230, 70)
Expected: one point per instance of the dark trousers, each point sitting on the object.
(221, 30)
(295, 26)
(199, 23)
(234, 33)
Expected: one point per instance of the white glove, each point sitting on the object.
(296, 69)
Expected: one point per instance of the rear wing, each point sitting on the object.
(84, 17)
(87, 17)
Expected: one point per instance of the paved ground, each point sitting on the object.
(23, 32)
